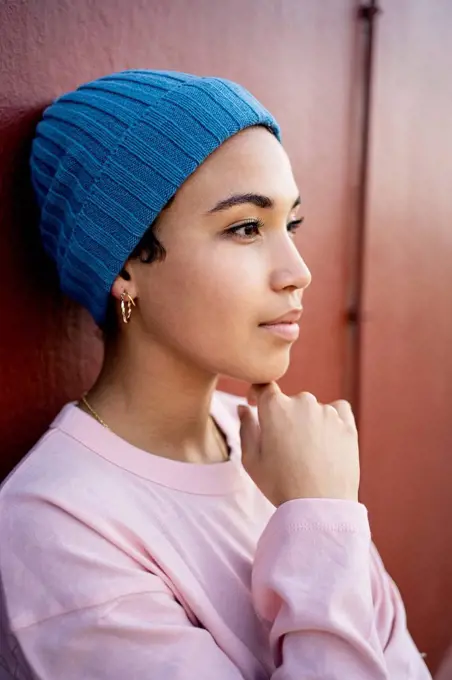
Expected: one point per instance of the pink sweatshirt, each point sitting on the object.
(117, 564)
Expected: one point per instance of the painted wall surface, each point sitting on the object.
(406, 372)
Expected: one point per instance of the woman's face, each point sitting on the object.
(207, 300)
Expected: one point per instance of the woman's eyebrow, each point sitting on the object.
(258, 200)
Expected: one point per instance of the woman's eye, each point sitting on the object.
(251, 229)
(293, 226)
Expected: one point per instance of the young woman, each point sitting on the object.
(162, 529)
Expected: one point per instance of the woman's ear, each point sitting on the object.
(124, 283)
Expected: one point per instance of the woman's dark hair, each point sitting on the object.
(148, 250)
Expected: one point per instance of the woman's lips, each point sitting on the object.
(287, 330)
(285, 326)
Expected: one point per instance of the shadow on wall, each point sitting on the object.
(19, 236)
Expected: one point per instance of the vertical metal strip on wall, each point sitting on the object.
(355, 315)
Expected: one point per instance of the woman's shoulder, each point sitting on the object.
(55, 456)
(34, 463)
(61, 477)
(67, 512)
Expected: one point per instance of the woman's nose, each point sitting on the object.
(292, 272)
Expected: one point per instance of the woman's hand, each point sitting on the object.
(299, 448)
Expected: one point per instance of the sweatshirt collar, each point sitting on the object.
(209, 479)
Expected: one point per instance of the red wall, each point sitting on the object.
(406, 424)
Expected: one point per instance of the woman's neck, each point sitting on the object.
(158, 403)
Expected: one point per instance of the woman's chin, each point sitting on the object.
(257, 372)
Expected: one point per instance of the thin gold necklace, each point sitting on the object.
(93, 412)
(219, 437)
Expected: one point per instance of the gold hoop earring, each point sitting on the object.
(126, 312)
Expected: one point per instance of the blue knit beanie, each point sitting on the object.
(107, 157)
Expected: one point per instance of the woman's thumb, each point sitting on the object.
(249, 433)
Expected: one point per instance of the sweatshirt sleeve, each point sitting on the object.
(330, 608)
(143, 635)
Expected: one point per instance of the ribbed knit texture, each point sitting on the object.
(107, 157)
